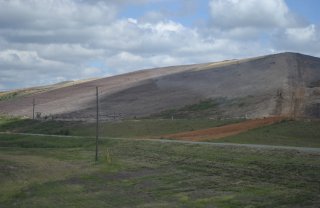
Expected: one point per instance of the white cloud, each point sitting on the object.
(26, 68)
(91, 72)
(25, 59)
(162, 27)
(128, 57)
(49, 14)
(55, 40)
(2, 87)
(69, 53)
(301, 34)
(251, 13)
(301, 39)
(268, 23)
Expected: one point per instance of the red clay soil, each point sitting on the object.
(223, 131)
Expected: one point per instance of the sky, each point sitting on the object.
(48, 41)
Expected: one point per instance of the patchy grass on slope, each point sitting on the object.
(218, 108)
(7, 95)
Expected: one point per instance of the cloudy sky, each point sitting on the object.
(48, 41)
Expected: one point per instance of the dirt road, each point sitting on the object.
(223, 131)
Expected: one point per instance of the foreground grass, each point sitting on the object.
(286, 133)
(60, 172)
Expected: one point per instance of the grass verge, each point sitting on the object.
(286, 133)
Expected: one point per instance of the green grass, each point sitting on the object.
(43, 142)
(287, 133)
(150, 127)
(8, 95)
(60, 172)
(201, 109)
(130, 128)
(34, 126)
(208, 108)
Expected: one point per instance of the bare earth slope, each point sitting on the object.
(286, 84)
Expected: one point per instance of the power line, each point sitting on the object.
(97, 124)
(33, 106)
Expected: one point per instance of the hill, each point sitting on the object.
(286, 84)
(7, 95)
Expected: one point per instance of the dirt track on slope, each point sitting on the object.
(223, 131)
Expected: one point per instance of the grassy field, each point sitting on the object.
(60, 172)
(287, 133)
(130, 128)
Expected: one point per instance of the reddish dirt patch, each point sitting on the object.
(223, 131)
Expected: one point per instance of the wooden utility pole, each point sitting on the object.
(97, 122)
(33, 106)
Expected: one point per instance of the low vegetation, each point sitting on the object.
(60, 172)
(127, 128)
(19, 93)
(7, 95)
(151, 127)
(208, 108)
(287, 133)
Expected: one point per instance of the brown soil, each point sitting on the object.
(223, 131)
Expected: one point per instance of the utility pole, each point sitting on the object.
(33, 106)
(97, 122)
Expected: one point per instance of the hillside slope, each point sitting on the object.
(286, 84)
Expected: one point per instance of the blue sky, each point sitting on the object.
(306, 8)
(45, 41)
(188, 13)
